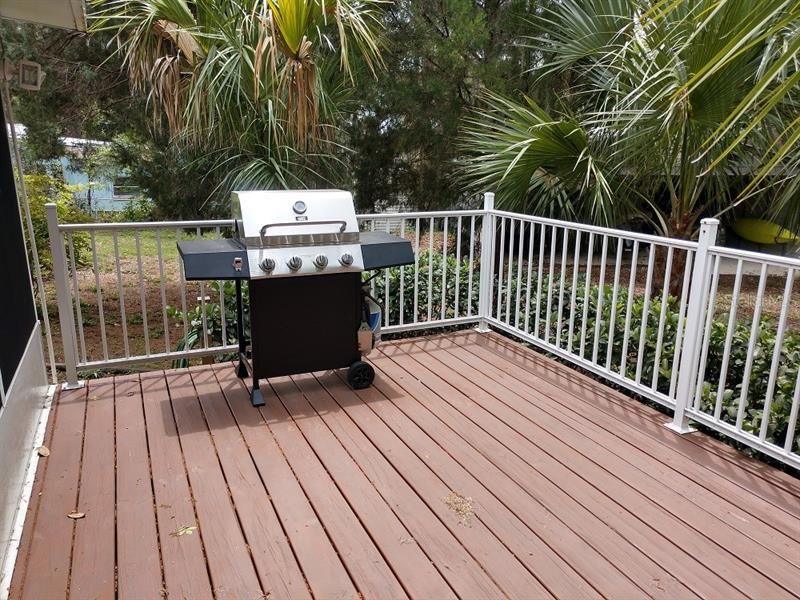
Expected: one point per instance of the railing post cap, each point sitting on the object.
(488, 201)
(709, 221)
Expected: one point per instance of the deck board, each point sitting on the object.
(139, 567)
(577, 491)
(182, 556)
(94, 541)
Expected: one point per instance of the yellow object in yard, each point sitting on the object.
(763, 232)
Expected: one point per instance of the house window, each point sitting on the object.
(124, 188)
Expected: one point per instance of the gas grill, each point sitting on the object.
(303, 257)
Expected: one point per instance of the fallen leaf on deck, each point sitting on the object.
(76, 515)
(43, 451)
(185, 530)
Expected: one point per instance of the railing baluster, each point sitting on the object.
(372, 284)
(662, 318)
(599, 312)
(183, 289)
(458, 268)
(221, 285)
(793, 414)
(142, 299)
(612, 321)
(587, 293)
(203, 314)
(623, 359)
(386, 287)
(726, 351)
(531, 228)
(430, 268)
(510, 269)
(162, 285)
(712, 306)
(542, 235)
(402, 277)
(416, 272)
(471, 264)
(78, 308)
(444, 269)
(500, 262)
(651, 254)
(121, 291)
(521, 244)
(684, 307)
(755, 331)
(573, 297)
(550, 271)
(776, 354)
(564, 244)
(99, 292)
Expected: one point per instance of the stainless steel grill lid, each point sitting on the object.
(298, 232)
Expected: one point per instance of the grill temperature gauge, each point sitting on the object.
(320, 261)
(294, 263)
(346, 259)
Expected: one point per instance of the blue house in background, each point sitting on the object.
(107, 192)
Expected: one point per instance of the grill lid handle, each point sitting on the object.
(341, 223)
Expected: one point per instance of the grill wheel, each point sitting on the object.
(360, 375)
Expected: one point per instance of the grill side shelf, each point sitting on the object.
(214, 259)
(381, 250)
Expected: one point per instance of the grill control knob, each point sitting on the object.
(294, 263)
(346, 259)
(320, 261)
(267, 265)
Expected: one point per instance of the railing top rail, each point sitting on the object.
(620, 233)
(145, 225)
(423, 214)
(758, 257)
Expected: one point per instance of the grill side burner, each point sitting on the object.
(303, 257)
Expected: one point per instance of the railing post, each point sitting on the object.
(65, 316)
(698, 292)
(487, 263)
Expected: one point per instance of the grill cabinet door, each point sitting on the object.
(303, 324)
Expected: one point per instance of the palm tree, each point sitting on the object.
(256, 83)
(674, 109)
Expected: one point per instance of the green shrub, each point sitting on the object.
(788, 363)
(213, 320)
(432, 266)
(43, 189)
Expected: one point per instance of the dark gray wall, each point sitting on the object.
(17, 313)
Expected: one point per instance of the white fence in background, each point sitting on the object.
(684, 324)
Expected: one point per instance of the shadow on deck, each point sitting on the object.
(474, 468)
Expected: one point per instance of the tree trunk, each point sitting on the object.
(682, 231)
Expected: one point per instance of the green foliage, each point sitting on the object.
(210, 315)
(439, 56)
(640, 361)
(430, 270)
(181, 183)
(137, 210)
(684, 108)
(43, 189)
(253, 85)
(83, 95)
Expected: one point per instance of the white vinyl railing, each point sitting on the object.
(693, 326)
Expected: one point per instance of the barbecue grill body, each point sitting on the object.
(304, 324)
(303, 257)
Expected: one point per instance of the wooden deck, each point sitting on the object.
(474, 468)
